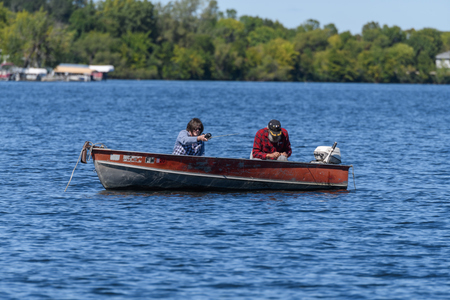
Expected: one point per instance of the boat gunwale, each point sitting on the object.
(300, 164)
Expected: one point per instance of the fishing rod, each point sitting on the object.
(209, 135)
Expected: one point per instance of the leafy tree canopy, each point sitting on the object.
(193, 39)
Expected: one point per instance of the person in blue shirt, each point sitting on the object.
(189, 141)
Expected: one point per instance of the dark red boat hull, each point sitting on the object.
(119, 169)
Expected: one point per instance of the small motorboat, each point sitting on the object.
(119, 169)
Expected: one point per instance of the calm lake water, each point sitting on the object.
(388, 239)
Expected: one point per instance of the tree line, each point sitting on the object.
(192, 39)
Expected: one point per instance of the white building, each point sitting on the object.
(102, 69)
(443, 60)
(35, 73)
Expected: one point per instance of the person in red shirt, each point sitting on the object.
(272, 142)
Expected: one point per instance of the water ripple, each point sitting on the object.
(388, 239)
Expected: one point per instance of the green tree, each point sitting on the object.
(426, 43)
(375, 36)
(352, 44)
(370, 64)
(208, 18)
(58, 45)
(315, 40)
(309, 25)
(164, 54)
(177, 19)
(94, 44)
(398, 63)
(230, 30)
(272, 61)
(5, 15)
(192, 39)
(135, 49)
(445, 37)
(394, 35)
(187, 64)
(84, 20)
(29, 39)
(332, 30)
(307, 43)
(4, 22)
(231, 14)
(27, 5)
(251, 23)
(371, 31)
(60, 10)
(121, 16)
(228, 64)
(261, 35)
(335, 64)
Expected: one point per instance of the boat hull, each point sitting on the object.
(118, 169)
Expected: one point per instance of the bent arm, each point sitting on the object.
(184, 139)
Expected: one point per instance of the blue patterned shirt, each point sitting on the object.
(188, 145)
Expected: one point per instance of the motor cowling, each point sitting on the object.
(322, 152)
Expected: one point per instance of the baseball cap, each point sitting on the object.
(275, 128)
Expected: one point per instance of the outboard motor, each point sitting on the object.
(322, 152)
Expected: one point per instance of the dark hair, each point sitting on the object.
(193, 124)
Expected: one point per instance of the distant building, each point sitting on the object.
(7, 71)
(101, 72)
(443, 60)
(75, 72)
(35, 74)
(102, 69)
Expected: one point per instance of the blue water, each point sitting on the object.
(388, 239)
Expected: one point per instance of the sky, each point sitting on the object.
(347, 15)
